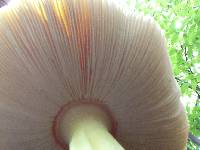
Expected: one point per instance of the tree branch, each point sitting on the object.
(3, 2)
(190, 86)
(194, 139)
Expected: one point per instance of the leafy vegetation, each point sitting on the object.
(180, 20)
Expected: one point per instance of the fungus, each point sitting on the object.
(83, 75)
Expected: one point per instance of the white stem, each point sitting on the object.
(86, 127)
(92, 135)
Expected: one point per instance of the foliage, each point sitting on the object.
(180, 20)
(194, 119)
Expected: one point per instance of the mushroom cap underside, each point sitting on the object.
(54, 52)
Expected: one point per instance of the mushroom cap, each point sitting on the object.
(54, 52)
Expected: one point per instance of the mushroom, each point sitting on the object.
(85, 75)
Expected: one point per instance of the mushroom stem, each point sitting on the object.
(92, 135)
(86, 127)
